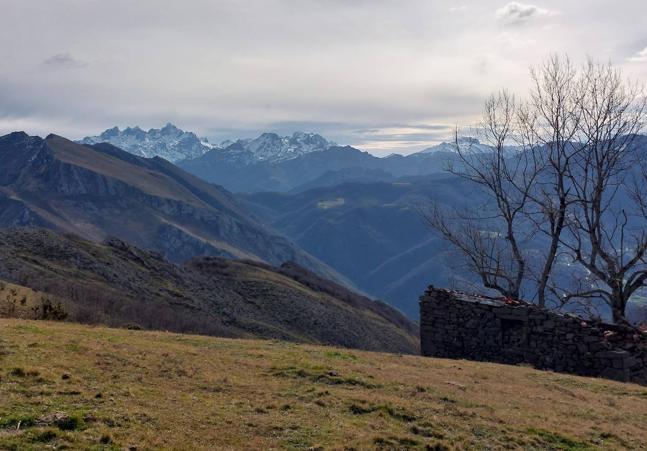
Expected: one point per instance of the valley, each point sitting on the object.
(374, 233)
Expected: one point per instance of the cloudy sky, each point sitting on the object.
(383, 75)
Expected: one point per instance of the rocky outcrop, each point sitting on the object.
(457, 325)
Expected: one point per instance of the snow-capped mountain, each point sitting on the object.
(465, 143)
(270, 147)
(169, 142)
(174, 144)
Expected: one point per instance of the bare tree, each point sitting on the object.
(573, 153)
(547, 127)
(491, 240)
(606, 236)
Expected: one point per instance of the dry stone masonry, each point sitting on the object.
(457, 325)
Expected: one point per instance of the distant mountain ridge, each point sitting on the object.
(465, 143)
(312, 169)
(372, 229)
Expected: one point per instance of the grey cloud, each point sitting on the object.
(410, 137)
(400, 125)
(63, 61)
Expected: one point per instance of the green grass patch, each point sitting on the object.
(395, 443)
(558, 441)
(71, 423)
(387, 409)
(337, 355)
(14, 421)
(157, 390)
(321, 376)
(42, 436)
(27, 328)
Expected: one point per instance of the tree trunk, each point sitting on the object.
(618, 316)
(618, 306)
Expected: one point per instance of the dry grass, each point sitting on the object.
(17, 301)
(153, 390)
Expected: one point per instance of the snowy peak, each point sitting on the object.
(168, 142)
(271, 147)
(464, 142)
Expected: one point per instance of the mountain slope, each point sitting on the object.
(372, 232)
(99, 191)
(168, 142)
(118, 284)
(346, 175)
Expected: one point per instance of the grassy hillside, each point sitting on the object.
(117, 284)
(85, 387)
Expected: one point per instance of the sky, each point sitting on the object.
(387, 76)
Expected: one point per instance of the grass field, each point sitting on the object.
(70, 386)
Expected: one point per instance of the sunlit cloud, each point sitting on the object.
(516, 13)
(639, 57)
(402, 139)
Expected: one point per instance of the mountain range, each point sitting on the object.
(272, 148)
(369, 226)
(357, 225)
(337, 211)
(100, 191)
(277, 163)
(174, 144)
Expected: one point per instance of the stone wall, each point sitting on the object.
(457, 325)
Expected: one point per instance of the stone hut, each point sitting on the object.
(462, 326)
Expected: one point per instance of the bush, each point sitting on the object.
(70, 423)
